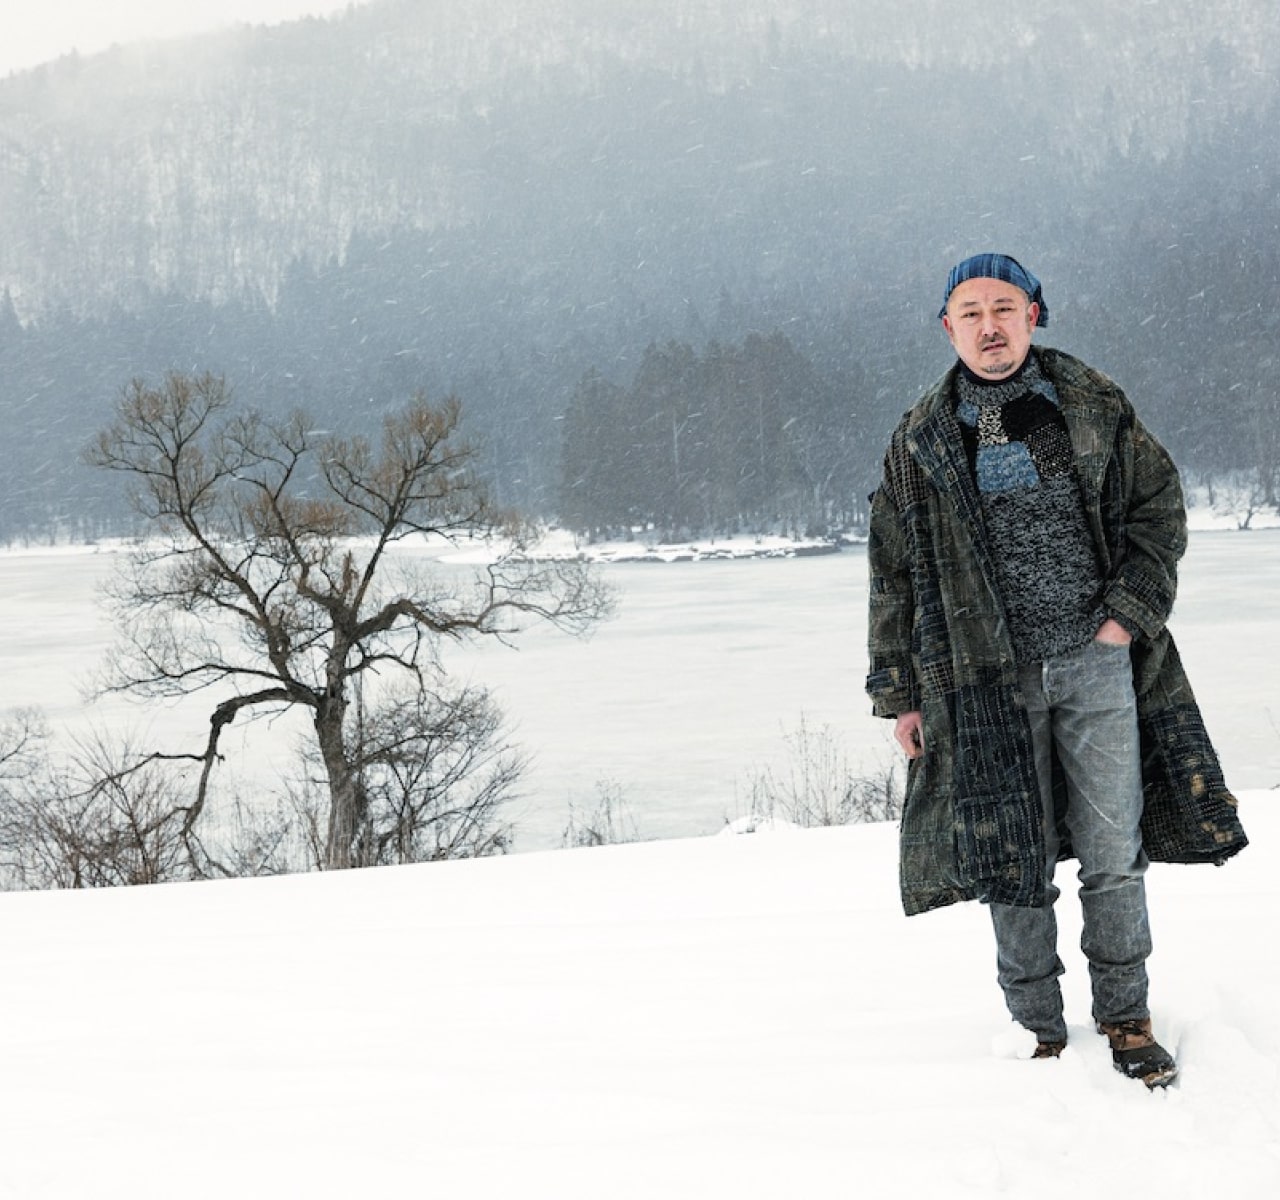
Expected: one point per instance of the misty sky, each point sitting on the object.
(40, 30)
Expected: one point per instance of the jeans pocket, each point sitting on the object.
(1102, 681)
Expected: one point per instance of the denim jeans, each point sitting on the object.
(1082, 708)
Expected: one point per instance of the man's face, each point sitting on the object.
(990, 323)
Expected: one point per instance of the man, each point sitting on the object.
(1023, 555)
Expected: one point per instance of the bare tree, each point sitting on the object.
(270, 580)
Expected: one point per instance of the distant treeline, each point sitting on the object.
(706, 426)
(737, 438)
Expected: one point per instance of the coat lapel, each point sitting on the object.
(936, 445)
(1092, 426)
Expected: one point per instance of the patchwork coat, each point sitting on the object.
(939, 644)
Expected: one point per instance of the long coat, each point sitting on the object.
(972, 826)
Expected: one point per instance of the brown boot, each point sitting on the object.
(1049, 1049)
(1137, 1054)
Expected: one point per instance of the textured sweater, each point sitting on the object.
(1020, 453)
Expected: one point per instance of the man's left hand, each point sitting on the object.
(1112, 633)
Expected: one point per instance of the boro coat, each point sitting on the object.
(939, 644)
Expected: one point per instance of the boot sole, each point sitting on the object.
(1160, 1079)
(1154, 1080)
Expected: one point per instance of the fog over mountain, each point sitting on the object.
(497, 197)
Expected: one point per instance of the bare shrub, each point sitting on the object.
(433, 778)
(432, 773)
(818, 785)
(261, 837)
(609, 823)
(87, 819)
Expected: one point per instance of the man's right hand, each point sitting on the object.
(909, 734)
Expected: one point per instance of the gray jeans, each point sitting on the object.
(1082, 707)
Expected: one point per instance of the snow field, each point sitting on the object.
(746, 1016)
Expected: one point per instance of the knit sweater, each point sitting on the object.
(1020, 453)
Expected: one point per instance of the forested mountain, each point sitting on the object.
(522, 200)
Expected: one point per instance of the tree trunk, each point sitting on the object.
(346, 804)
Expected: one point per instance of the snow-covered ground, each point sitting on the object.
(739, 1016)
(730, 1016)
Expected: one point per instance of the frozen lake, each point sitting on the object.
(688, 691)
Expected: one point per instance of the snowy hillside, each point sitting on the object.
(742, 1016)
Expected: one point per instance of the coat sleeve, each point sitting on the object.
(891, 683)
(1152, 536)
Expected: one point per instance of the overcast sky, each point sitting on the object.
(35, 31)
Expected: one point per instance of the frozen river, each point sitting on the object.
(692, 687)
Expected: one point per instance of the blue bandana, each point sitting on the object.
(996, 266)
